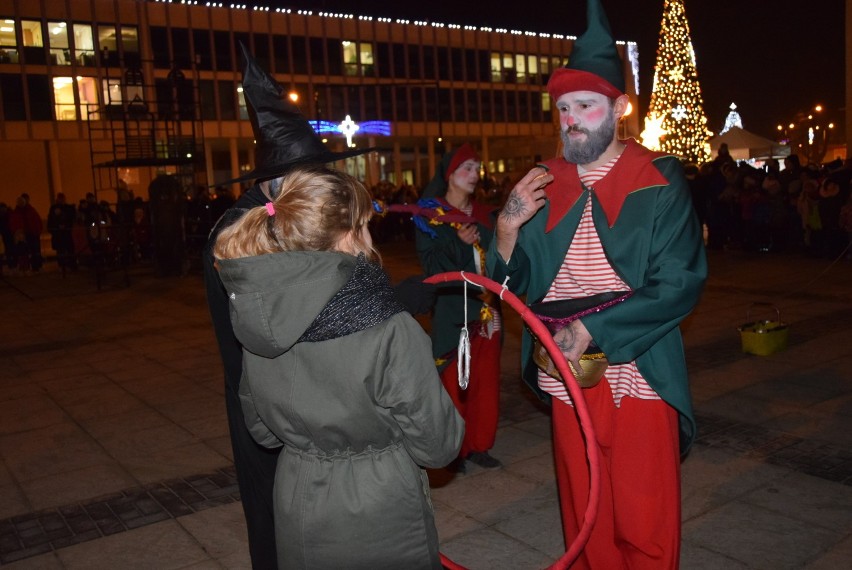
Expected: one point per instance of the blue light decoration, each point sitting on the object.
(381, 128)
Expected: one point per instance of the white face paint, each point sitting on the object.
(588, 122)
(466, 176)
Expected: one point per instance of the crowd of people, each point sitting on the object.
(790, 209)
(797, 209)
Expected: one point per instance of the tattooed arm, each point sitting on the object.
(526, 198)
(573, 340)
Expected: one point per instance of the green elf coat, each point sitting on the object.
(644, 216)
(446, 252)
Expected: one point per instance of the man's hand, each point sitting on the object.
(526, 198)
(573, 340)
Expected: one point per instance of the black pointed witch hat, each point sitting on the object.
(283, 136)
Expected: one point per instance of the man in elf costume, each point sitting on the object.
(460, 246)
(610, 215)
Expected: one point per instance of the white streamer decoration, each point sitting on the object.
(463, 360)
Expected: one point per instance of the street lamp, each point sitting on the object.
(809, 134)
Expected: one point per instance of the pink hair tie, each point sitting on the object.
(270, 208)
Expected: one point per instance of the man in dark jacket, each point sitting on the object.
(60, 223)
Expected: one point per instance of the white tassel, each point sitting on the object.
(463, 359)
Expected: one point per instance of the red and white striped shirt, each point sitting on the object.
(586, 271)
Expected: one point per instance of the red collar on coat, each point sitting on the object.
(481, 212)
(632, 171)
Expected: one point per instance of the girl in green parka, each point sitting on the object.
(337, 374)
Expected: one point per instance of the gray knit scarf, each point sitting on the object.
(364, 301)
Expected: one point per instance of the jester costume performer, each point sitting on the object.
(442, 247)
(627, 221)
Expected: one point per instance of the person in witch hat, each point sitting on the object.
(337, 374)
(610, 215)
(461, 247)
(284, 141)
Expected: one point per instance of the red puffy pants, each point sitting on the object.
(638, 523)
(479, 404)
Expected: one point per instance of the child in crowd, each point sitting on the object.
(339, 374)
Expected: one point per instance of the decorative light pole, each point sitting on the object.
(809, 134)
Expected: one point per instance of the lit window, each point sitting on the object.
(32, 41)
(130, 39)
(496, 68)
(241, 103)
(532, 68)
(509, 74)
(31, 33)
(112, 91)
(521, 68)
(57, 39)
(8, 41)
(87, 89)
(67, 109)
(63, 95)
(357, 57)
(84, 45)
(106, 37)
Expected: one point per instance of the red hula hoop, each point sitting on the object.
(592, 449)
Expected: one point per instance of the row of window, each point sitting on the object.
(37, 42)
(84, 98)
(210, 50)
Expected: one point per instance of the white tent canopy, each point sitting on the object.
(744, 145)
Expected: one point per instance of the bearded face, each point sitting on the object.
(585, 150)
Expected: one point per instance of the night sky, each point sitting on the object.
(771, 58)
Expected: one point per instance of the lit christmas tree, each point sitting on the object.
(732, 120)
(676, 122)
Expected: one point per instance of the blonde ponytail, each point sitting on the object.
(315, 207)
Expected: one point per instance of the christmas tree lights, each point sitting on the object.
(676, 122)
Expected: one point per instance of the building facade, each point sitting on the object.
(102, 95)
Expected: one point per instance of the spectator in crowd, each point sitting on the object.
(222, 201)
(808, 211)
(832, 197)
(199, 220)
(26, 227)
(846, 223)
(60, 224)
(167, 205)
(7, 243)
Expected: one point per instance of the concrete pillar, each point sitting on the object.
(397, 163)
(235, 165)
(208, 162)
(483, 151)
(372, 164)
(418, 171)
(54, 172)
(430, 149)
